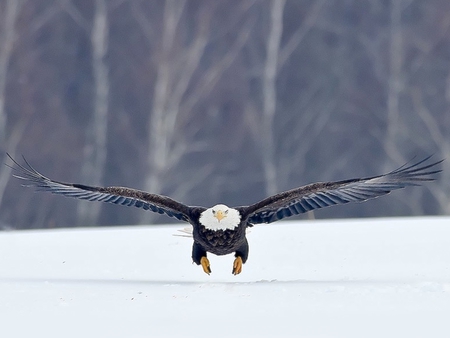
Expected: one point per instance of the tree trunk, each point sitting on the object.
(270, 96)
(95, 148)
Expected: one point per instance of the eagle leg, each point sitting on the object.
(237, 265)
(241, 257)
(199, 257)
(205, 265)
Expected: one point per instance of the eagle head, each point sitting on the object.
(220, 217)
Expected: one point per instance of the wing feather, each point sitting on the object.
(117, 195)
(321, 195)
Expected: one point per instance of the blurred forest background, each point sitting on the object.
(220, 101)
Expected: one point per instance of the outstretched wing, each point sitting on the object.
(116, 195)
(321, 195)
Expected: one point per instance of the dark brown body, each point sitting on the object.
(219, 242)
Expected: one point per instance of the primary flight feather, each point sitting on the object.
(220, 229)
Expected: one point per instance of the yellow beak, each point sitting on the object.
(220, 215)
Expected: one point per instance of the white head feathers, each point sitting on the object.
(220, 217)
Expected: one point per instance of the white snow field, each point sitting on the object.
(346, 278)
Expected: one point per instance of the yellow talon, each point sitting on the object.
(237, 266)
(205, 265)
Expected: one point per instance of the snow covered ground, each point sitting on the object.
(346, 278)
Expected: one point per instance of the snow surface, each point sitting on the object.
(346, 278)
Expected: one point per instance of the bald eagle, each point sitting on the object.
(221, 230)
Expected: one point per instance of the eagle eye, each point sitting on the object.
(213, 211)
(226, 211)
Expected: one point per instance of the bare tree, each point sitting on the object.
(95, 145)
(269, 96)
(8, 139)
(173, 97)
(395, 84)
(95, 148)
(263, 125)
(8, 35)
(164, 112)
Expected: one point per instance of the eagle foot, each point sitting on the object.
(205, 265)
(237, 265)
